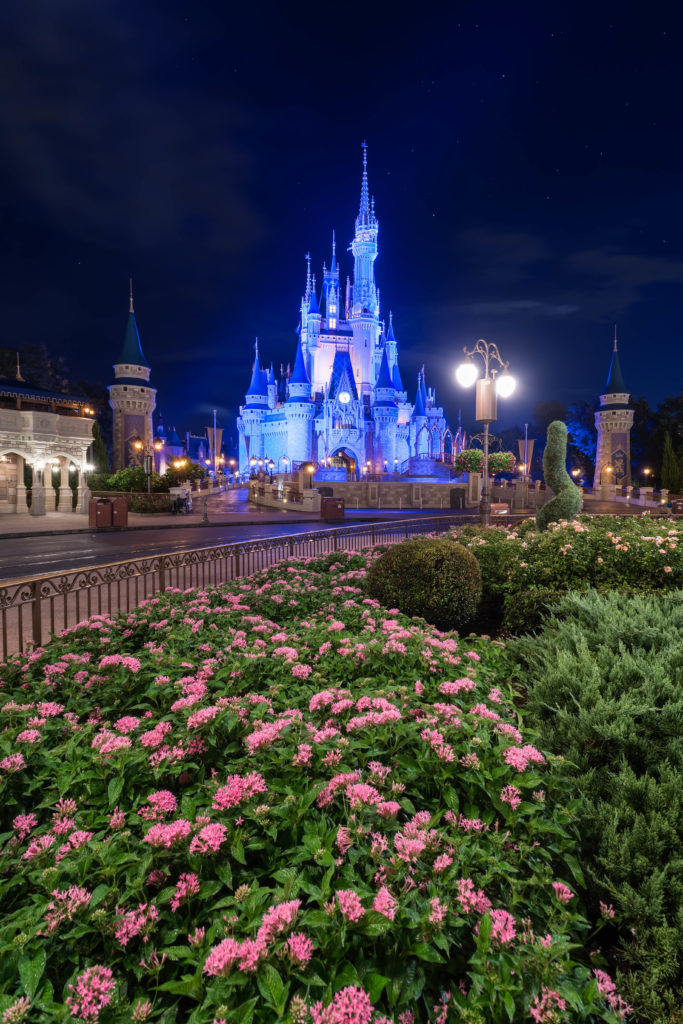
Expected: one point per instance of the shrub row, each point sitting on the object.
(603, 683)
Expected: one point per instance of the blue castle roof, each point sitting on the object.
(384, 377)
(131, 352)
(299, 374)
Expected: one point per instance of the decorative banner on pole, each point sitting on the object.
(525, 457)
(212, 432)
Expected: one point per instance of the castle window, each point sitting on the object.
(333, 324)
(125, 389)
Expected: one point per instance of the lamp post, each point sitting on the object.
(310, 469)
(252, 463)
(271, 467)
(488, 387)
(148, 457)
(285, 462)
(605, 469)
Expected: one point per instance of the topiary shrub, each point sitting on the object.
(567, 501)
(435, 579)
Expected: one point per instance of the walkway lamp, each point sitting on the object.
(310, 469)
(271, 467)
(488, 388)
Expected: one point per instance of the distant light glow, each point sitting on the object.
(466, 374)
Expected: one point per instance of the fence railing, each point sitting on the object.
(33, 609)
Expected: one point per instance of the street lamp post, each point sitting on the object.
(285, 462)
(148, 457)
(271, 467)
(488, 387)
(310, 469)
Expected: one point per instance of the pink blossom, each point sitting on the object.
(16, 1011)
(511, 795)
(502, 926)
(127, 724)
(91, 993)
(442, 862)
(168, 834)
(608, 991)
(29, 736)
(438, 911)
(299, 948)
(521, 757)
(186, 887)
(384, 903)
(237, 789)
(132, 923)
(388, 808)
(350, 904)
(202, 716)
(38, 846)
(344, 842)
(350, 1005)
(543, 1006)
(196, 938)
(64, 906)
(23, 823)
(303, 757)
(562, 892)
(160, 803)
(301, 671)
(470, 898)
(606, 910)
(209, 839)
(12, 763)
(117, 819)
(222, 957)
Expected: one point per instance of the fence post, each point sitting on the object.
(406, 529)
(36, 614)
(162, 573)
(291, 547)
(334, 540)
(237, 564)
(373, 534)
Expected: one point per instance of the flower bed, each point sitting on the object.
(278, 800)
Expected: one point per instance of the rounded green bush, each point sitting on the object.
(435, 579)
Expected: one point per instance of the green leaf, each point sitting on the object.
(191, 985)
(275, 984)
(224, 872)
(346, 976)
(509, 1005)
(114, 790)
(98, 895)
(31, 971)
(426, 952)
(237, 850)
(374, 984)
(244, 1013)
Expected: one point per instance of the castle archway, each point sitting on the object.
(347, 459)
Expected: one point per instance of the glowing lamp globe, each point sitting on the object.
(505, 384)
(466, 374)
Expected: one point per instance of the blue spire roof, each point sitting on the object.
(333, 264)
(396, 377)
(256, 386)
(419, 409)
(390, 332)
(364, 211)
(132, 353)
(313, 306)
(271, 375)
(615, 380)
(299, 375)
(423, 388)
(384, 377)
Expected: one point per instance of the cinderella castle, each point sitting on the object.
(343, 406)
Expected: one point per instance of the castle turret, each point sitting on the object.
(252, 416)
(385, 416)
(420, 435)
(299, 412)
(131, 398)
(613, 421)
(364, 314)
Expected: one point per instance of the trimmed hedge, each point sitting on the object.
(435, 579)
(603, 683)
(568, 500)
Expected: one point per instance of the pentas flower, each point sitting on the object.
(16, 1013)
(65, 904)
(237, 789)
(470, 898)
(544, 1006)
(521, 757)
(127, 724)
(503, 928)
(186, 887)
(209, 839)
(23, 823)
(12, 763)
(132, 923)
(114, 660)
(511, 795)
(91, 993)
(168, 834)
(39, 846)
(141, 1011)
(117, 820)
(384, 903)
(299, 948)
(441, 863)
(160, 803)
(608, 991)
(351, 1005)
(562, 892)
(350, 904)
(438, 911)
(453, 688)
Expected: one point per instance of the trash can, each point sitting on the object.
(331, 509)
(677, 506)
(119, 512)
(457, 497)
(99, 513)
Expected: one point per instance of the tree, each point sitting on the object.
(546, 413)
(582, 436)
(671, 473)
(100, 455)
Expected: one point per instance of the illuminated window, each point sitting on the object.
(333, 324)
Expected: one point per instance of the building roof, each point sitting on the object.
(384, 376)
(419, 409)
(299, 374)
(39, 394)
(615, 380)
(342, 369)
(396, 377)
(132, 353)
(257, 387)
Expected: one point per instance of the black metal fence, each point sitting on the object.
(34, 609)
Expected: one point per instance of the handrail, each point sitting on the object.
(34, 607)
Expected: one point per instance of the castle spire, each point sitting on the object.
(308, 276)
(333, 264)
(130, 305)
(615, 337)
(615, 380)
(364, 211)
(132, 353)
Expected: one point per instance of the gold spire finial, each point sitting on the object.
(19, 377)
(130, 308)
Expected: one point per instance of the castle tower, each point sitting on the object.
(613, 421)
(131, 398)
(385, 416)
(364, 313)
(299, 412)
(252, 416)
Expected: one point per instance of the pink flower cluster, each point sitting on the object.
(66, 903)
(237, 789)
(351, 1005)
(132, 923)
(186, 887)
(209, 839)
(608, 991)
(562, 892)
(521, 757)
(543, 1006)
(91, 993)
(250, 952)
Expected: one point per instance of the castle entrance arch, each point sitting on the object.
(345, 458)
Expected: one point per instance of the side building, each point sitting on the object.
(343, 405)
(131, 398)
(613, 422)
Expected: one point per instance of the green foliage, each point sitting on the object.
(501, 462)
(191, 471)
(100, 454)
(132, 478)
(298, 676)
(567, 501)
(435, 579)
(470, 460)
(671, 473)
(603, 683)
(523, 569)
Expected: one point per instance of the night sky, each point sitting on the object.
(526, 161)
